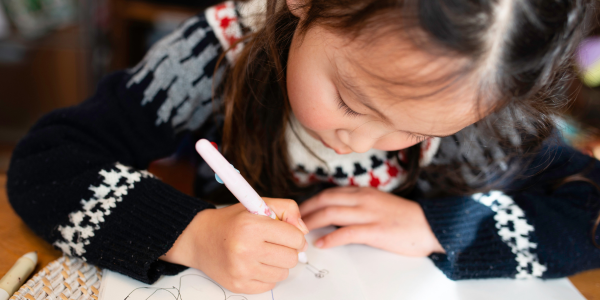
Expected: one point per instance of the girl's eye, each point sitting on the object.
(418, 138)
(347, 110)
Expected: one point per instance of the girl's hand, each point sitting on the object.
(370, 217)
(243, 252)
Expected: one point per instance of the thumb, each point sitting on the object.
(287, 210)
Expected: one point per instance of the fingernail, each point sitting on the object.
(303, 226)
(319, 244)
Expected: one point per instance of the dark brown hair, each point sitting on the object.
(525, 81)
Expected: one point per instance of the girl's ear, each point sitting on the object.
(297, 7)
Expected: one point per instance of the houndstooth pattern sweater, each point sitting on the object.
(78, 180)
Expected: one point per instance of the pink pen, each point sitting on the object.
(238, 186)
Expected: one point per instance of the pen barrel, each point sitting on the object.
(247, 196)
(233, 180)
(17, 275)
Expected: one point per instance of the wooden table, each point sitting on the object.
(17, 239)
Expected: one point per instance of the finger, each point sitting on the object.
(278, 256)
(283, 234)
(269, 274)
(356, 234)
(330, 197)
(262, 287)
(287, 211)
(337, 215)
(252, 287)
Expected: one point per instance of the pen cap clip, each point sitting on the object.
(231, 177)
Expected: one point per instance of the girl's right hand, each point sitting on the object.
(243, 252)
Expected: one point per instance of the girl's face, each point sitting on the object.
(385, 95)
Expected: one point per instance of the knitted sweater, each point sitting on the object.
(78, 180)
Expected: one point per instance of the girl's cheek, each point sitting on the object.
(315, 119)
(314, 113)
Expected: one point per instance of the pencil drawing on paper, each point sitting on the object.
(193, 285)
(318, 273)
(187, 289)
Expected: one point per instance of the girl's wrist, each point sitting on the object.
(436, 246)
(183, 250)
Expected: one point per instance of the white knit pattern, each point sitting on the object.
(517, 238)
(300, 156)
(115, 184)
(176, 71)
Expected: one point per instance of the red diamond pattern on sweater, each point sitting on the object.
(373, 168)
(386, 176)
(224, 21)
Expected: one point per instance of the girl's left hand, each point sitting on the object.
(370, 217)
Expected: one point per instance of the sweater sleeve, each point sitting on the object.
(536, 227)
(78, 180)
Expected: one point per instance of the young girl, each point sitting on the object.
(433, 118)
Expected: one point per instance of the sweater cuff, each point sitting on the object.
(467, 231)
(138, 223)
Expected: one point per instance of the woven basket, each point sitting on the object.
(66, 278)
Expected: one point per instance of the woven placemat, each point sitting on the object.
(66, 278)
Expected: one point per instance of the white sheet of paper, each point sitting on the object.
(355, 272)
(389, 276)
(341, 282)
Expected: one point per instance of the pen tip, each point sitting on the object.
(302, 257)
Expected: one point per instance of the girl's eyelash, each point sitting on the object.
(347, 110)
(419, 138)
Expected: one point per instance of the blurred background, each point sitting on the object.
(53, 53)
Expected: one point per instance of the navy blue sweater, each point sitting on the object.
(77, 180)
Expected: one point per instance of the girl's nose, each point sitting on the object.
(357, 143)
